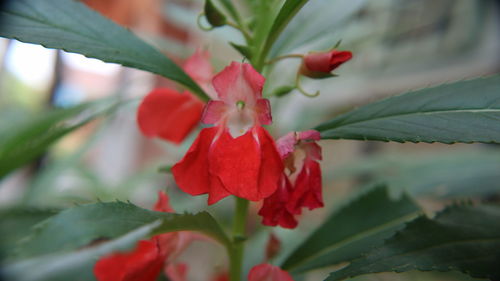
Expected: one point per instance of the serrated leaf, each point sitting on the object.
(213, 15)
(73, 27)
(78, 226)
(77, 265)
(461, 238)
(352, 230)
(466, 111)
(21, 143)
(15, 224)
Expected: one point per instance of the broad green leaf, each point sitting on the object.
(73, 27)
(16, 224)
(466, 111)
(286, 13)
(461, 238)
(21, 143)
(79, 226)
(76, 265)
(353, 230)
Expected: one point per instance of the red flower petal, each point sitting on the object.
(307, 191)
(191, 173)
(144, 263)
(199, 68)
(176, 272)
(162, 205)
(169, 115)
(214, 111)
(267, 272)
(274, 210)
(248, 166)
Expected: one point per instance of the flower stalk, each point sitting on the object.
(239, 238)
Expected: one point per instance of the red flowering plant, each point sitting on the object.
(276, 183)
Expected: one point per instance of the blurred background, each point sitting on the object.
(398, 46)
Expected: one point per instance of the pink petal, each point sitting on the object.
(169, 115)
(263, 110)
(286, 144)
(267, 272)
(239, 82)
(214, 112)
(309, 135)
(199, 68)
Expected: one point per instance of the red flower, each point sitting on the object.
(320, 64)
(149, 258)
(267, 272)
(236, 156)
(170, 115)
(300, 184)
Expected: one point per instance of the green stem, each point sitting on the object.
(239, 237)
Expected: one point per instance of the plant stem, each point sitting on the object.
(239, 237)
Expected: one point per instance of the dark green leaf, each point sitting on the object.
(243, 50)
(73, 27)
(77, 265)
(79, 226)
(461, 238)
(213, 15)
(16, 224)
(466, 111)
(351, 231)
(22, 143)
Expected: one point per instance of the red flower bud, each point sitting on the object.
(320, 64)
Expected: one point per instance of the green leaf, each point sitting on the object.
(73, 27)
(353, 230)
(286, 13)
(245, 51)
(213, 15)
(461, 238)
(15, 224)
(466, 111)
(77, 265)
(79, 226)
(21, 143)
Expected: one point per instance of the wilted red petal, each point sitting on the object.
(144, 263)
(169, 115)
(307, 191)
(214, 111)
(274, 209)
(176, 272)
(247, 166)
(239, 82)
(267, 272)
